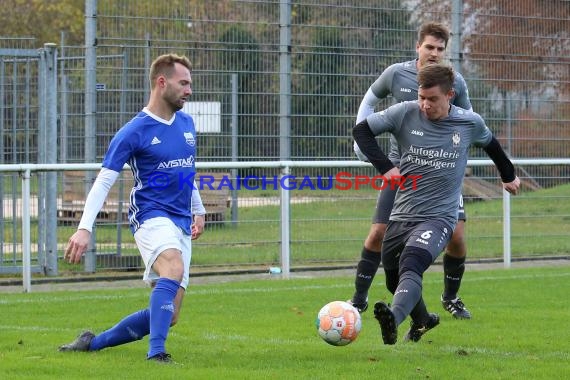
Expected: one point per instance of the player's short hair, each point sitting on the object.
(164, 65)
(436, 75)
(434, 29)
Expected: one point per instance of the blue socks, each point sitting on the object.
(155, 320)
(131, 328)
(161, 312)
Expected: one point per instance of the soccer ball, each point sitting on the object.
(338, 323)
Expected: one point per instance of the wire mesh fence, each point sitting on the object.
(283, 80)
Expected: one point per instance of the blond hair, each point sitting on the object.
(164, 65)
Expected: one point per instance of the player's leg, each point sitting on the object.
(160, 242)
(186, 243)
(422, 247)
(131, 328)
(454, 268)
(370, 255)
(419, 313)
(421, 319)
(168, 265)
(391, 247)
(367, 266)
(152, 238)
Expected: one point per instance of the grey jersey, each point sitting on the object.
(401, 80)
(435, 150)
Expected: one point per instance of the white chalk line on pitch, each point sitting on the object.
(51, 299)
(193, 291)
(350, 285)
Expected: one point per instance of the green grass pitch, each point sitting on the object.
(265, 329)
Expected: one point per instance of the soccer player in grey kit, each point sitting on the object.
(434, 139)
(400, 80)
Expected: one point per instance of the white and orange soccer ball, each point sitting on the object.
(338, 323)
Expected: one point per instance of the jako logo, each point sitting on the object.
(419, 133)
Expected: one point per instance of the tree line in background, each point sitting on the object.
(515, 57)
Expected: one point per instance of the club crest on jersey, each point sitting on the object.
(456, 139)
(189, 138)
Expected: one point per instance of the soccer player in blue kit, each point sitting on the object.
(434, 137)
(400, 80)
(165, 213)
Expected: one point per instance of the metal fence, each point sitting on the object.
(304, 221)
(277, 80)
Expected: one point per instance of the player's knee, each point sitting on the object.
(415, 259)
(459, 232)
(174, 273)
(169, 264)
(457, 246)
(377, 231)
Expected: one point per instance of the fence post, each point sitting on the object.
(50, 55)
(235, 146)
(285, 80)
(285, 129)
(90, 110)
(285, 197)
(63, 113)
(26, 245)
(456, 27)
(506, 229)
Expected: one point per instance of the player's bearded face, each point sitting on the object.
(431, 50)
(178, 88)
(173, 98)
(434, 102)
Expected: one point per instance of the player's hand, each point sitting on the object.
(512, 187)
(198, 226)
(393, 173)
(77, 246)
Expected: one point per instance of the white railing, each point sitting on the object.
(26, 169)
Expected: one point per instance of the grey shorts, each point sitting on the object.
(431, 235)
(385, 203)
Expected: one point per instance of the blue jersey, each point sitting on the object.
(161, 154)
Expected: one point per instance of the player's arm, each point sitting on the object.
(79, 241)
(379, 90)
(365, 138)
(198, 213)
(506, 168)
